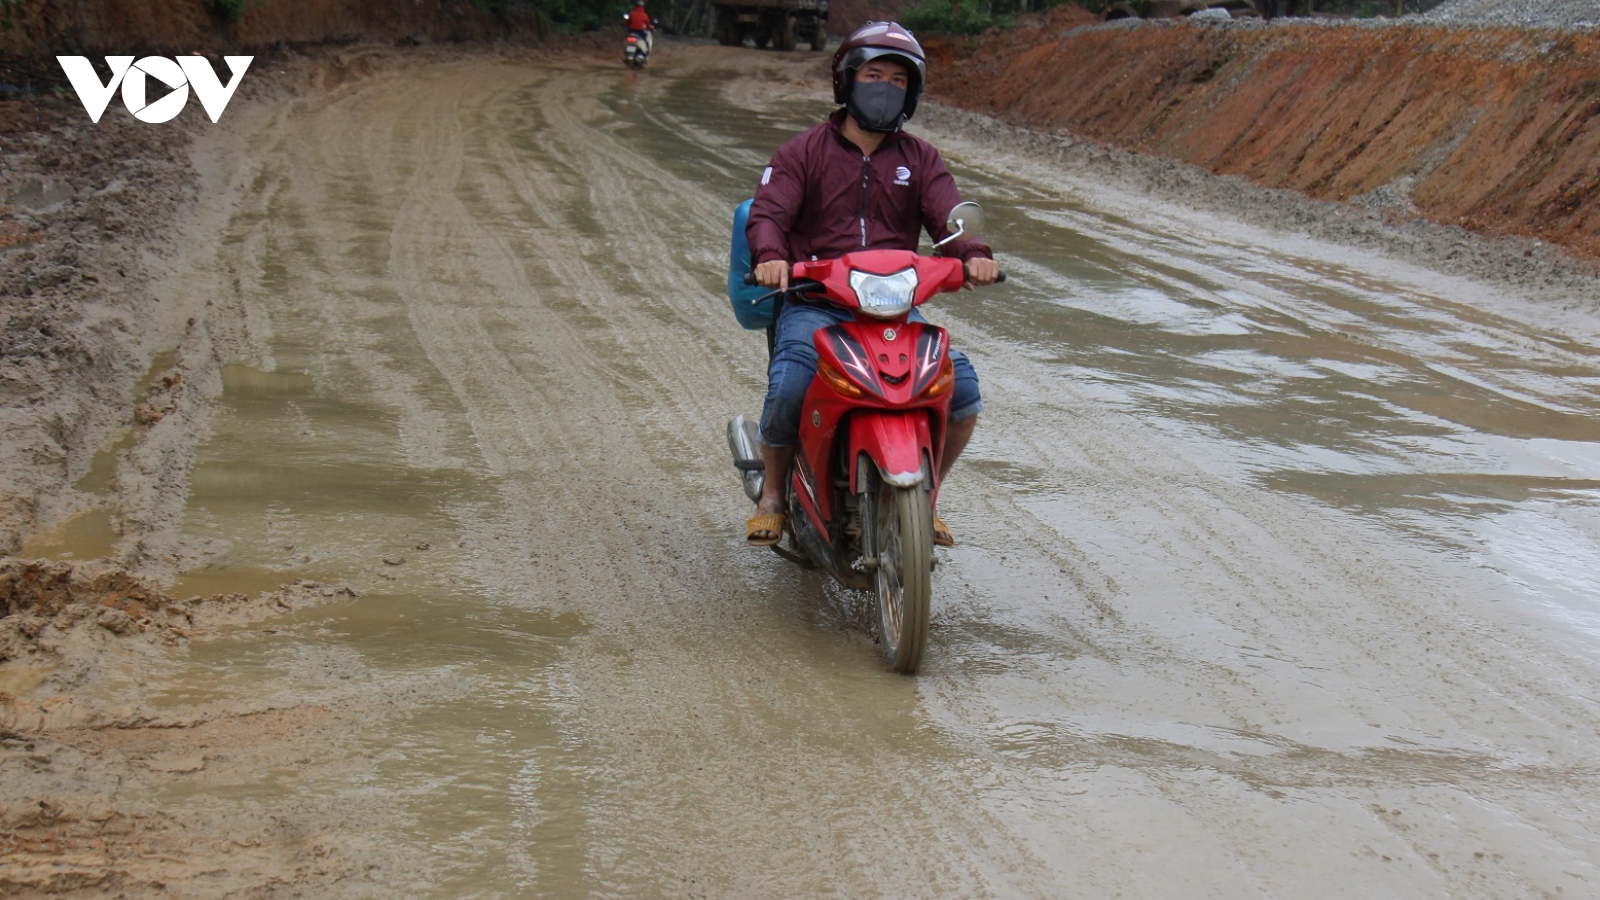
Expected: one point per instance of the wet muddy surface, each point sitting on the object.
(1276, 571)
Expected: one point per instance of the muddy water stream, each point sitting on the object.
(1276, 573)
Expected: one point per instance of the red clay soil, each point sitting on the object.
(1494, 130)
(845, 16)
(47, 27)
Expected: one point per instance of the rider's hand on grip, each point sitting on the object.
(774, 273)
(982, 271)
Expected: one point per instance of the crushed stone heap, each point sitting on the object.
(1564, 15)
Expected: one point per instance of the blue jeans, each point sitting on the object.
(794, 364)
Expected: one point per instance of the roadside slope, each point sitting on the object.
(39, 29)
(1497, 131)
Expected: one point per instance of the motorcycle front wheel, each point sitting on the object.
(901, 540)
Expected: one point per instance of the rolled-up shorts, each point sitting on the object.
(794, 364)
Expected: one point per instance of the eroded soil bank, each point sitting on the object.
(44, 27)
(1494, 130)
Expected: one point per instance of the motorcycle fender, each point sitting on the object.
(898, 443)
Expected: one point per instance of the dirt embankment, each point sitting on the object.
(45, 27)
(97, 359)
(1494, 130)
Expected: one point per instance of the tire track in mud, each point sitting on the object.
(1248, 691)
(596, 476)
(583, 221)
(1150, 674)
(1265, 586)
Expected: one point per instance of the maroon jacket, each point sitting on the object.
(820, 198)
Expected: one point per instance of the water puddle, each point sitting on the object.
(90, 533)
(1317, 378)
(433, 724)
(426, 710)
(87, 535)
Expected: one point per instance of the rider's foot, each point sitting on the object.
(764, 529)
(941, 533)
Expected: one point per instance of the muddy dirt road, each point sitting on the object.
(1276, 575)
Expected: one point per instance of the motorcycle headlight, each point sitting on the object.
(885, 296)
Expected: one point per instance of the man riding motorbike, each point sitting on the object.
(641, 25)
(854, 182)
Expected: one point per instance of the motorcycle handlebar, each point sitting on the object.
(750, 278)
(967, 273)
(804, 284)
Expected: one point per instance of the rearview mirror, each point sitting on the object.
(965, 221)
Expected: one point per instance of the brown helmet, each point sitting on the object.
(877, 40)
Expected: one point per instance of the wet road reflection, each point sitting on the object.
(1424, 413)
(1247, 537)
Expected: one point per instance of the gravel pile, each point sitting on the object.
(1565, 15)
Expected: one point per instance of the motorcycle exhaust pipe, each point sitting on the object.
(746, 449)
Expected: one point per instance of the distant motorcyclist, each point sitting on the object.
(854, 182)
(641, 25)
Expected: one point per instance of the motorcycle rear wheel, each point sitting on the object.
(901, 538)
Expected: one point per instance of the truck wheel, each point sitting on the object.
(762, 38)
(786, 39)
(819, 40)
(727, 28)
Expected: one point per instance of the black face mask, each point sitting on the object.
(877, 106)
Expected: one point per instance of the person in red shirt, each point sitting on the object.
(641, 25)
(854, 182)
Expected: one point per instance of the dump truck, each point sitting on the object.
(783, 24)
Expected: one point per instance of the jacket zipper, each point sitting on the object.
(866, 175)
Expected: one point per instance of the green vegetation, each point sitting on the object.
(966, 17)
(8, 9)
(672, 16)
(565, 15)
(1366, 9)
(948, 17)
(226, 10)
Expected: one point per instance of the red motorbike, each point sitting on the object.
(864, 483)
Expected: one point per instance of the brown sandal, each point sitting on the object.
(764, 529)
(941, 533)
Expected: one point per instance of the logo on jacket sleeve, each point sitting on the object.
(902, 176)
